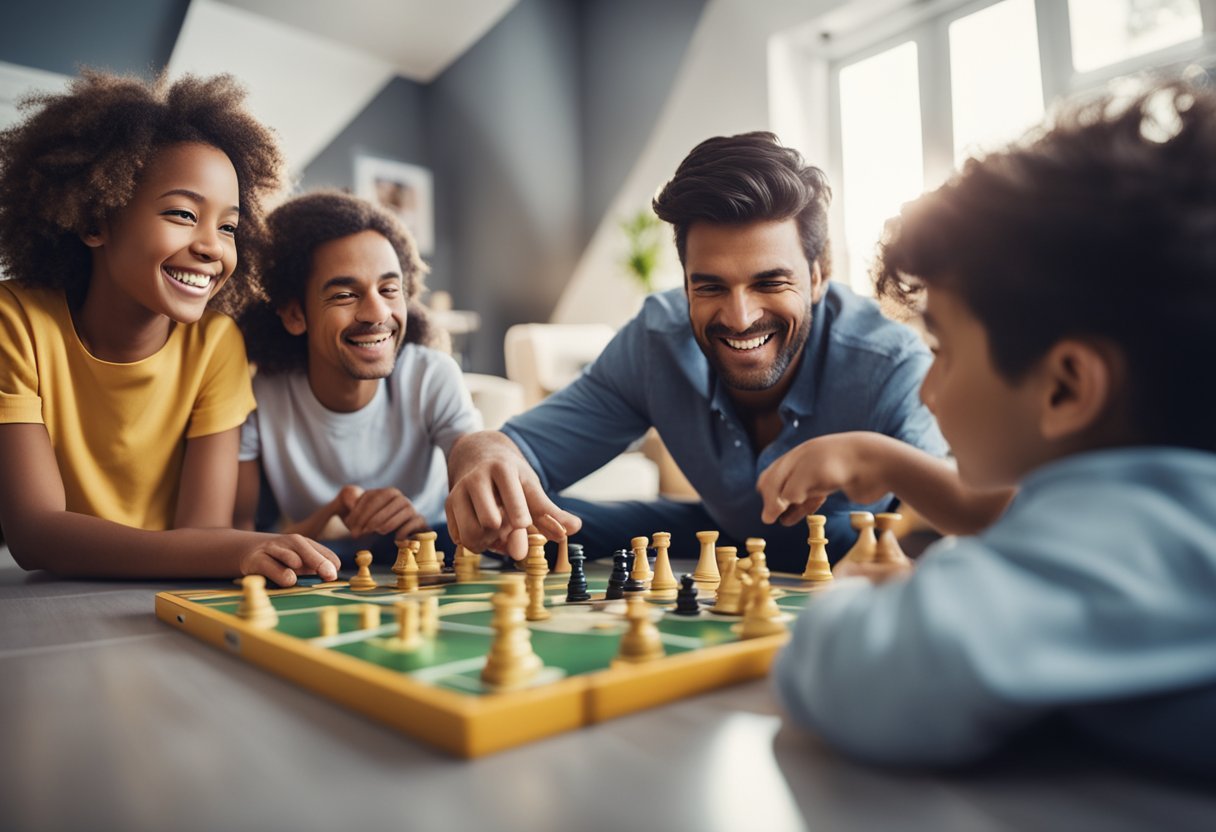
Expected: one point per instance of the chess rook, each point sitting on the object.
(663, 585)
(706, 574)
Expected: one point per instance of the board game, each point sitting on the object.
(435, 692)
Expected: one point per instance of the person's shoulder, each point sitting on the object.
(1143, 502)
(213, 327)
(857, 324)
(35, 300)
(417, 361)
(665, 312)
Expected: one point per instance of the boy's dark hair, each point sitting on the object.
(296, 228)
(747, 178)
(1100, 226)
(78, 156)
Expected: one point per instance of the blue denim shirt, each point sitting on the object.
(860, 371)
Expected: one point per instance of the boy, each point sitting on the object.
(1070, 286)
(355, 412)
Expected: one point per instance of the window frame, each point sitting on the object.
(927, 24)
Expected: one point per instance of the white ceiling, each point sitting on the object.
(418, 38)
(311, 66)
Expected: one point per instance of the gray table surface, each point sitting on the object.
(110, 720)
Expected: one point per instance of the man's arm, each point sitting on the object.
(495, 496)
(43, 534)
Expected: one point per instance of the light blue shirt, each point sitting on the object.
(1097, 586)
(859, 371)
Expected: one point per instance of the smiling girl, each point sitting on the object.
(127, 210)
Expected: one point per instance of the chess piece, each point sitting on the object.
(369, 617)
(724, 555)
(818, 569)
(641, 560)
(429, 620)
(535, 568)
(762, 616)
(428, 558)
(639, 568)
(406, 567)
(616, 581)
(329, 621)
(663, 585)
(863, 549)
(641, 642)
(576, 588)
(706, 574)
(755, 553)
(887, 549)
(363, 580)
(511, 661)
(743, 570)
(562, 565)
(407, 626)
(686, 598)
(730, 591)
(255, 607)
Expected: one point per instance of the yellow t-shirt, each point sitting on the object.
(119, 431)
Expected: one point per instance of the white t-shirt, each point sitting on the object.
(399, 439)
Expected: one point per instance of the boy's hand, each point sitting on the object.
(281, 557)
(383, 511)
(798, 482)
(495, 496)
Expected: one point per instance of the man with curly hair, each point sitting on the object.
(127, 210)
(355, 410)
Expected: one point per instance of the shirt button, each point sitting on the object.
(738, 443)
(795, 423)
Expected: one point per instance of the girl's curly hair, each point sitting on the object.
(296, 229)
(78, 156)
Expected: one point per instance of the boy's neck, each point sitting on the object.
(115, 328)
(339, 392)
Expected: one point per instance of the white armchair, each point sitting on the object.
(543, 358)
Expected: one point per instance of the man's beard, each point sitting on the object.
(770, 375)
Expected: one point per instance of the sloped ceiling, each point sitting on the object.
(311, 67)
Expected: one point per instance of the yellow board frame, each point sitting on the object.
(464, 725)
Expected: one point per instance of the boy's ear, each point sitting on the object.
(95, 238)
(1081, 382)
(292, 316)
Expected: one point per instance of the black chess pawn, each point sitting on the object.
(686, 598)
(620, 574)
(576, 589)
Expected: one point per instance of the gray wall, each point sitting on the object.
(505, 137)
(528, 136)
(131, 36)
(632, 50)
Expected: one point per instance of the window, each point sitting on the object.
(1105, 32)
(996, 89)
(879, 97)
(914, 91)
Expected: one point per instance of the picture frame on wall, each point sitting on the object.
(404, 189)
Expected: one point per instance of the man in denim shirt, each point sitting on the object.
(757, 353)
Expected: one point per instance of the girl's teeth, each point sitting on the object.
(189, 278)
